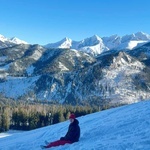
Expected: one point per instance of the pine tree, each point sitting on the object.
(61, 117)
(5, 120)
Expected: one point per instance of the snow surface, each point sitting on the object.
(24, 84)
(133, 44)
(122, 128)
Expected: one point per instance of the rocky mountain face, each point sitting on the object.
(63, 75)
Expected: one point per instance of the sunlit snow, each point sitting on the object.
(122, 128)
(9, 87)
(133, 44)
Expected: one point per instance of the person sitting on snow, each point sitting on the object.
(72, 135)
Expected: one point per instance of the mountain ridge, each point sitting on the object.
(93, 45)
(96, 45)
(73, 77)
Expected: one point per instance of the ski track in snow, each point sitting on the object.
(122, 128)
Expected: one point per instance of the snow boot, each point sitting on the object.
(43, 147)
(46, 142)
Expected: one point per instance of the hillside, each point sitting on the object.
(122, 128)
(77, 73)
(72, 77)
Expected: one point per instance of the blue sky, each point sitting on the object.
(47, 21)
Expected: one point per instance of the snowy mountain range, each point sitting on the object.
(96, 45)
(75, 76)
(122, 128)
(93, 45)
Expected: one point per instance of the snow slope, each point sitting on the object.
(122, 128)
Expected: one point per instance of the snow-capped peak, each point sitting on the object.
(96, 37)
(142, 36)
(2, 38)
(8, 42)
(64, 43)
(139, 36)
(91, 41)
(66, 39)
(17, 41)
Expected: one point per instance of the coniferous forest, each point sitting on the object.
(28, 115)
(21, 115)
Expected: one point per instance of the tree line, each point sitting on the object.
(32, 116)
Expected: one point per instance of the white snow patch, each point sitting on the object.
(53, 87)
(30, 70)
(76, 52)
(62, 67)
(23, 85)
(133, 44)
